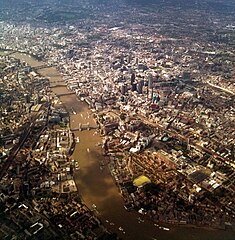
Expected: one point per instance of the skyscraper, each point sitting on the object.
(132, 78)
(140, 86)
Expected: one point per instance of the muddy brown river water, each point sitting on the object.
(97, 187)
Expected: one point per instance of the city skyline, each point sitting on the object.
(114, 110)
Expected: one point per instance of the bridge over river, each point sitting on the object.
(82, 127)
(97, 186)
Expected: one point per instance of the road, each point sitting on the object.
(27, 130)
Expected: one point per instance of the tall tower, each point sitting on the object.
(132, 78)
(140, 86)
(150, 85)
(150, 80)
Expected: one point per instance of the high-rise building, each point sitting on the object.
(140, 86)
(122, 59)
(132, 78)
(123, 89)
(136, 60)
(134, 87)
(150, 85)
(150, 81)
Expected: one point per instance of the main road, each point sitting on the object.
(28, 127)
(97, 186)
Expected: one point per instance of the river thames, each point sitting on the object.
(96, 185)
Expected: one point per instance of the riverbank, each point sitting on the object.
(97, 187)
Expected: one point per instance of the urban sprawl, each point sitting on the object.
(163, 103)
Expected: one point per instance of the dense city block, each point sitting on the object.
(159, 79)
